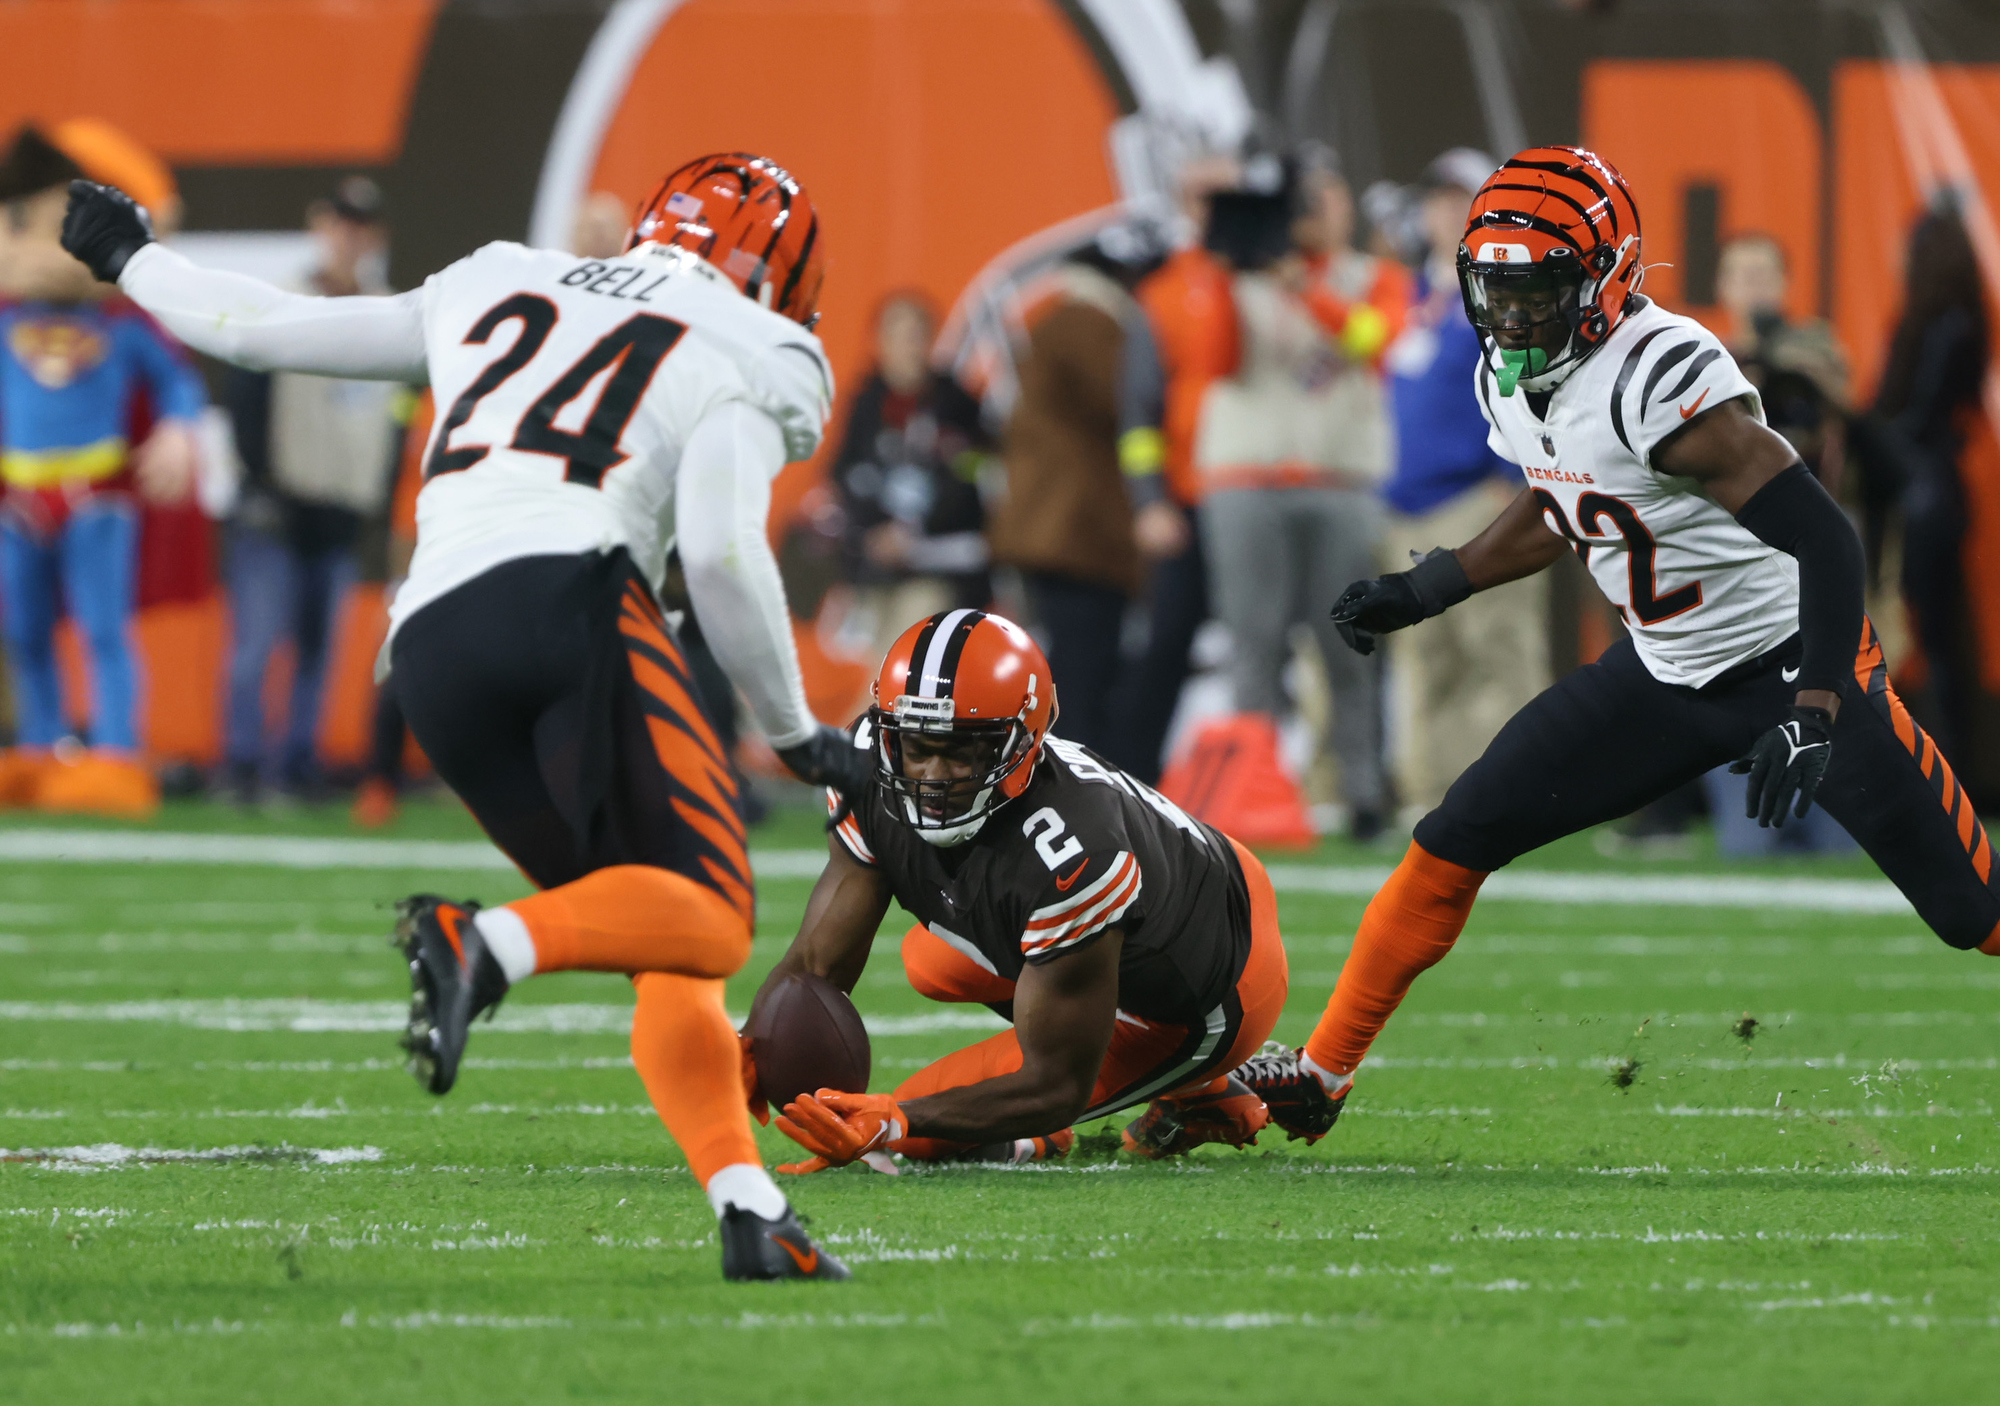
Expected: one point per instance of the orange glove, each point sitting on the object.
(752, 1095)
(840, 1127)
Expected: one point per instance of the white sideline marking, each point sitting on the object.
(1626, 889)
(372, 1017)
(104, 1156)
(45, 846)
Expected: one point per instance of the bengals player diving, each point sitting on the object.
(1738, 578)
(593, 411)
(1134, 949)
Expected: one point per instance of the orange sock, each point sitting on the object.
(686, 1053)
(635, 918)
(1410, 924)
(1991, 947)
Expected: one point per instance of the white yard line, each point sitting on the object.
(105, 1156)
(368, 1017)
(1625, 889)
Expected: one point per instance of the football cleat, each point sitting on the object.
(755, 1248)
(453, 980)
(1015, 1151)
(1172, 1126)
(1298, 1101)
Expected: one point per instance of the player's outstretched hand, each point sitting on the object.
(1370, 608)
(103, 228)
(841, 1127)
(830, 758)
(1788, 761)
(1401, 599)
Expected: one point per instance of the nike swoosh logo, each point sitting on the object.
(1063, 885)
(1788, 674)
(448, 920)
(1687, 411)
(806, 1263)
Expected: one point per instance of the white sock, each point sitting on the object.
(1334, 1084)
(748, 1187)
(507, 939)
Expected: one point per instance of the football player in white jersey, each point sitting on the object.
(592, 411)
(1738, 578)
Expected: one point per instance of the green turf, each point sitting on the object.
(1807, 1216)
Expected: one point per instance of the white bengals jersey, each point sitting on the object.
(1698, 591)
(566, 389)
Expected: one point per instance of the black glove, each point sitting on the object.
(104, 227)
(1370, 608)
(1788, 760)
(830, 758)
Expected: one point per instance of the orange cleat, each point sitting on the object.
(375, 804)
(21, 770)
(99, 783)
(1175, 1125)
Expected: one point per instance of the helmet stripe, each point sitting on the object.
(798, 265)
(947, 643)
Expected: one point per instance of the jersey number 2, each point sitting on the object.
(1049, 825)
(635, 347)
(1640, 550)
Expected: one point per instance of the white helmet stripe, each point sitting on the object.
(929, 678)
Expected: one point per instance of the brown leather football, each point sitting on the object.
(805, 1035)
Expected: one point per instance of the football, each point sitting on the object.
(806, 1035)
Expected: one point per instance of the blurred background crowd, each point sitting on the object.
(1163, 430)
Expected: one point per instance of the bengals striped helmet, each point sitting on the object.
(962, 706)
(749, 218)
(1552, 243)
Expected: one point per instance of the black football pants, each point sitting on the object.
(1609, 738)
(551, 696)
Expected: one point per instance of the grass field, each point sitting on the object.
(270, 1210)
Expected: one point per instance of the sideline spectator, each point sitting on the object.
(1798, 368)
(1458, 680)
(1186, 339)
(1911, 445)
(1801, 374)
(317, 454)
(1066, 522)
(1291, 448)
(80, 370)
(907, 479)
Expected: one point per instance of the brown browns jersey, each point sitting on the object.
(1083, 849)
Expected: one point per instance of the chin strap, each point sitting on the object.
(1531, 361)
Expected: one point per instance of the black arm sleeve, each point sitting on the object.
(1797, 516)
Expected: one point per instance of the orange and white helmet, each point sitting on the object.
(966, 676)
(1553, 236)
(747, 216)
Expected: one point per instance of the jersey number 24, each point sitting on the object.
(637, 346)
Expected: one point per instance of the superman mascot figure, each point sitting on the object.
(81, 375)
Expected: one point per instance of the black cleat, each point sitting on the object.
(1298, 1101)
(453, 980)
(1171, 1127)
(755, 1248)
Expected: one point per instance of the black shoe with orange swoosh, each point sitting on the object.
(755, 1248)
(453, 980)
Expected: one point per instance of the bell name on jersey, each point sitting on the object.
(1696, 589)
(1085, 848)
(566, 389)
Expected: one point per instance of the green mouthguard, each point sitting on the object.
(1516, 364)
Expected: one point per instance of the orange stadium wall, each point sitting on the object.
(925, 161)
(935, 133)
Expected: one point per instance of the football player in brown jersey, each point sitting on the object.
(1134, 950)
